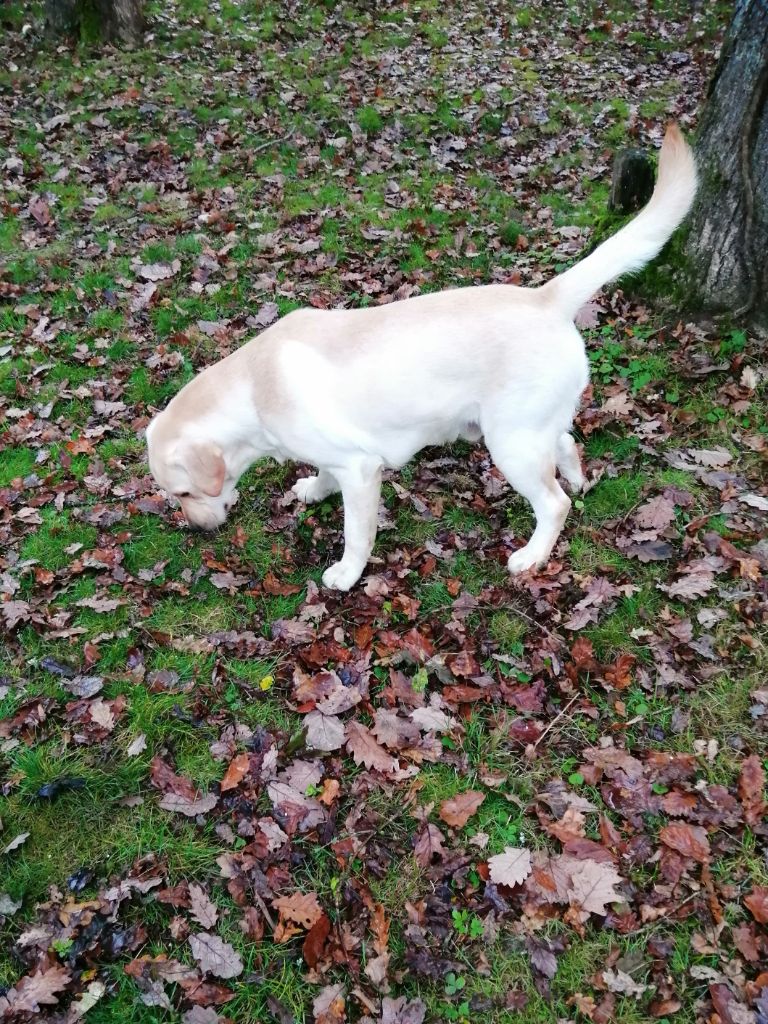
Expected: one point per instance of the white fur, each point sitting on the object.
(356, 391)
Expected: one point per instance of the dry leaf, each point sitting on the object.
(689, 840)
(238, 767)
(138, 745)
(457, 810)
(324, 732)
(429, 843)
(757, 903)
(592, 886)
(751, 790)
(215, 956)
(301, 907)
(365, 750)
(619, 981)
(510, 867)
(189, 807)
(14, 844)
(201, 908)
(35, 990)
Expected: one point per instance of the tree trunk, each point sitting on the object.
(62, 17)
(117, 21)
(728, 239)
(122, 21)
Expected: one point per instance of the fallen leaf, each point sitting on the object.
(314, 943)
(402, 1011)
(625, 984)
(429, 843)
(324, 732)
(137, 746)
(751, 790)
(14, 844)
(36, 990)
(592, 886)
(159, 271)
(457, 810)
(236, 772)
(689, 840)
(365, 750)
(8, 906)
(215, 956)
(201, 908)
(757, 903)
(510, 867)
(301, 907)
(191, 807)
(656, 514)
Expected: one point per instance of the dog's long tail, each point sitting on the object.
(640, 240)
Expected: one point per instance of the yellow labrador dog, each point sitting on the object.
(354, 391)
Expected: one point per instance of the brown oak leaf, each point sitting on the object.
(689, 840)
(301, 907)
(35, 990)
(236, 772)
(430, 843)
(457, 810)
(751, 788)
(757, 903)
(592, 886)
(324, 732)
(365, 750)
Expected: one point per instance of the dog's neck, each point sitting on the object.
(236, 427)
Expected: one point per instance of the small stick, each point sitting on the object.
(557, 718)
(272, 142)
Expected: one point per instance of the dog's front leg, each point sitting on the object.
(360, 490)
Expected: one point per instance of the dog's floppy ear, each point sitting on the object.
(204, 461)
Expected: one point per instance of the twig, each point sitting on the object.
(264, 909)
(272, 142)
(556, 719)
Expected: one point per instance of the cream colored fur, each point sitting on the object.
(356, 391)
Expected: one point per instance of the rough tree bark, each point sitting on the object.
(119, 21)
(727, 247)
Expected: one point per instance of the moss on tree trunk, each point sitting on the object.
(727, 247)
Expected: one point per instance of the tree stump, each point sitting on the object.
(632, 180)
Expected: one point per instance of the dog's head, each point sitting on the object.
(193, 471)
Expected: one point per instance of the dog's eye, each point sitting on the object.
(183, 494)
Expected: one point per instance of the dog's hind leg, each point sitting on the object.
(528, 462)
(569, 463)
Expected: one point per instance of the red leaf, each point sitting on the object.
(314, 943)
(757, 903)
(751, 786)
(689, 840)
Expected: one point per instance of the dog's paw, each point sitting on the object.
(576, 482)
(306, 490)
(340, 576)
(523, 560)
